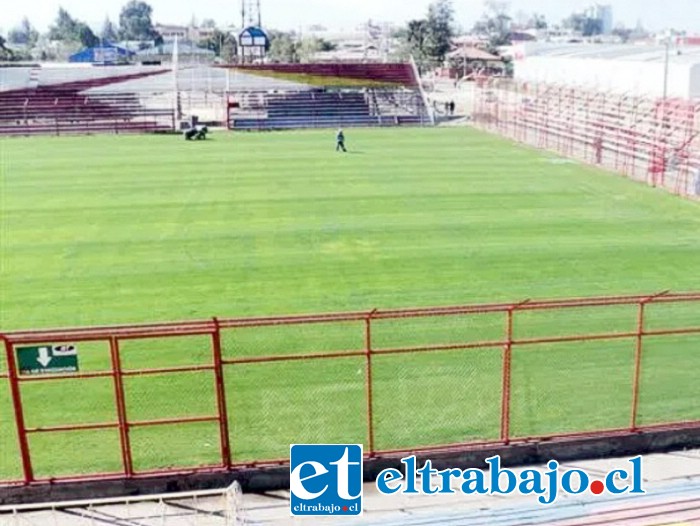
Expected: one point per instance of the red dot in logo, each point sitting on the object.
(597, 487)
(345, 508)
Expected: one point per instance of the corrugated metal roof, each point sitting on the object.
(473, 53)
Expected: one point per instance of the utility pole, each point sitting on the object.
(250, 13)
(666, 60)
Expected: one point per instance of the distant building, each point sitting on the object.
(630, 69)
(187, 53)
(523, 36)
(107, 54)
(603, 13)
(184, 33)
(371, 41)
(170, 32)
(688, 41)
(559, 34)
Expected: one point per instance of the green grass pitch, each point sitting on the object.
(106, 230)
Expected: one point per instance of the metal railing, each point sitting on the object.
(397, 380)
(655, 141)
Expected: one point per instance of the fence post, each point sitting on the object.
(368, 382)
(127, 459)
(636, 379)
(505, 388)
(19, 414)
(221, 396)
(507, 373)
(637, 365)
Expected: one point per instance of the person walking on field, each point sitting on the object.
(340, 140)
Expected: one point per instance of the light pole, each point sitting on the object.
(666, 60)
(664, 110)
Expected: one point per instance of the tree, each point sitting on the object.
(623, 33)
(65, 28)
(592, 26)
(429, 39)
(309, 46)
(496, 8)
(69, 30)
(496, 23)
(218, 42)
(209, 23)
(417, 39)
(439, 28)
(520, 19)
(5, 54)
(413, 43)
(283, 47)
(229, 49)
(109, 31)
(325, 45)
(537, 21)
(86, 37)
(24, 34)
(135, 21)
(583, 24)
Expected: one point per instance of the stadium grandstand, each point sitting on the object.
(85, 99)
(181, 320)
(632, 109)
(60, 101)
(370, 94)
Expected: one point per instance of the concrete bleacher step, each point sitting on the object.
(312, 108)
(83, 129)
(68, 107)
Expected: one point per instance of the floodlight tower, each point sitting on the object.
(250, 13)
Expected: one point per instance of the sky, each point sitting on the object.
(346, 14)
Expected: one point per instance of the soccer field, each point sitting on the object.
(107, 230)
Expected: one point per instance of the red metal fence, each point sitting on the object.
(655, 141)
(223, 393)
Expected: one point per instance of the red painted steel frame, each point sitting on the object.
(212, 328)
(221, 397)
(650, 140)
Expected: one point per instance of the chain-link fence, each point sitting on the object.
(656, 141)
(156, 399)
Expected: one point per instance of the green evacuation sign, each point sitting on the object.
(47, 359)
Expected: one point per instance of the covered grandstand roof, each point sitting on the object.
(337, 74)
(127, 78)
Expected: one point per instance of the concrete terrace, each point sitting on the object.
(672, 482)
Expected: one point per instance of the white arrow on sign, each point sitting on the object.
(44, 359)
